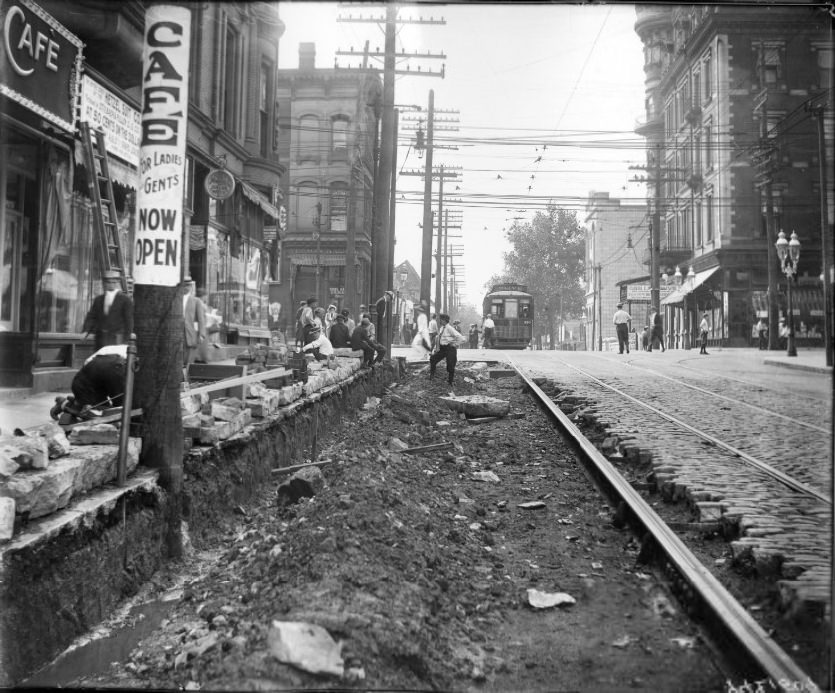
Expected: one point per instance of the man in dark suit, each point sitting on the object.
(360, 340)
(110, 318)
(194, 323)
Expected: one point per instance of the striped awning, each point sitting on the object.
(259, 199)
(689, 286)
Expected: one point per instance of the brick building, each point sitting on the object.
(328, 123)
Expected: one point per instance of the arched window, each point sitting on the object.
(307, 196)
(308, 139)
(339, 138)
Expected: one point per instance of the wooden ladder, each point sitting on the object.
(104, 212)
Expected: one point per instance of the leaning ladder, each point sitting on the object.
(104, 212)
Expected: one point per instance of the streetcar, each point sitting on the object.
(511, 307)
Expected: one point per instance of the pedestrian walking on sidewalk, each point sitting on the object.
(762, 333)
(449, 339)
(704, 328)
(657, 334)
(621, 321)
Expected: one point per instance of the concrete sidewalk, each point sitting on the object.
(807, 360)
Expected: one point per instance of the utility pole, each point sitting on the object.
(392, 207)
(429, 147)
(426, 254)
(382, 185)
(438, 306)
(383, 227)
(819, 111)
(158, 288)
(764, 162)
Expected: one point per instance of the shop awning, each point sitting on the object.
(688, 286)
(124, 174)
(259, 199)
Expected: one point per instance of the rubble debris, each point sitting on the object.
(27, 452)
(427, 448)
(486, 476)
(306, 646)
(531, 505)
(547, 600)
(57, 444)
(7, 510)
(305, 483)
(94, 434)
(475, 406)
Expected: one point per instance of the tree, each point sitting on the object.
(548, 256)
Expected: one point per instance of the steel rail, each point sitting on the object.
(764, 467)
(733, 400)
(729, 623)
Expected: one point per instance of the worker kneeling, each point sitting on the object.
(99, 384)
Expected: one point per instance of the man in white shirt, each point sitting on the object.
(704, 328)
(320, 347)
(489, 331)
(621, 322)
(449, 339)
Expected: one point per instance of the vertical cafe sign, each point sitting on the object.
(162, 149)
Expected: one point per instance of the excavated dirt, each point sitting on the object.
(421, 570)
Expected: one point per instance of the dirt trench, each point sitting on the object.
(420, 566)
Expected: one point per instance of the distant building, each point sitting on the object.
(328, 120)
(613, 234)
(733, 158)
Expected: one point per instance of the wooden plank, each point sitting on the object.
(218, 373)
(110, 418)
(231, 382)
(297, 467)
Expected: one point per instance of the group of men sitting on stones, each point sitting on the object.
(320, 331)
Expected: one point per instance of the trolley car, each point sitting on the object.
(511, 307)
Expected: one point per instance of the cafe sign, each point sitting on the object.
(40, 62)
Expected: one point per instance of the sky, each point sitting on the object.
(546, 99)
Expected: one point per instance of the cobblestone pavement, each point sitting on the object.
(780, 416)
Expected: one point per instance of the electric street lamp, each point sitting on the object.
(788, 252)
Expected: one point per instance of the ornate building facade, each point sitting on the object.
(733, 158)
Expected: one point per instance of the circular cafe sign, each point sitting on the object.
(220, 184)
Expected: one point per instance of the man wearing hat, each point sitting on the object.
(340, 336)
(110, 318)
(349, 321)
(194, 322)
(704, 328)
(621, 321)
(308, 319)
(360, 340)
(320, 346)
